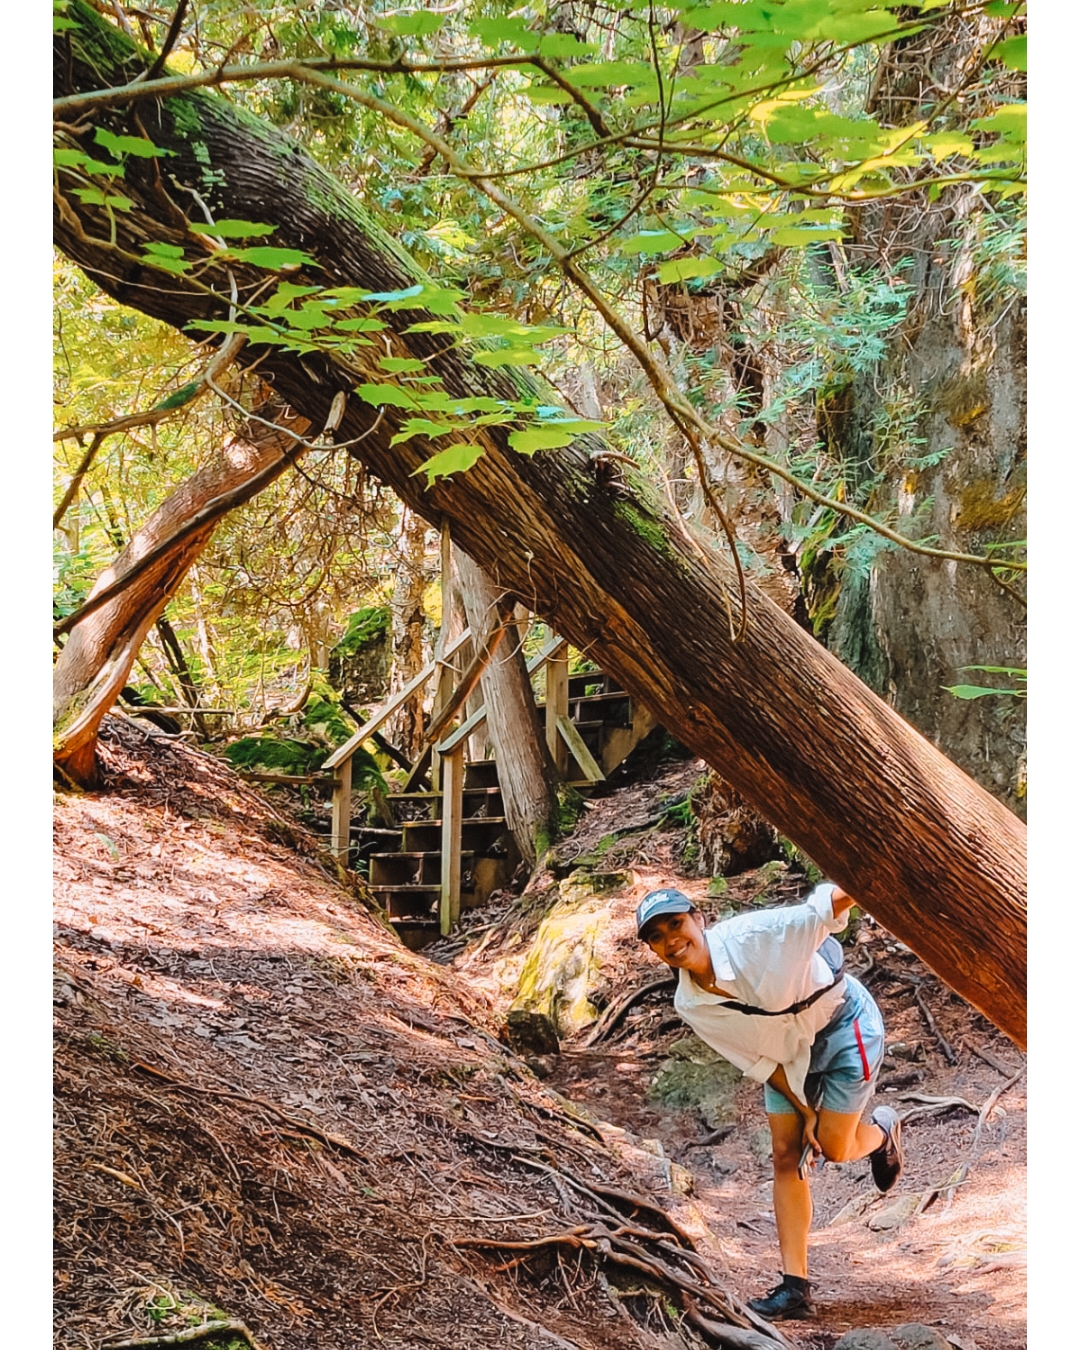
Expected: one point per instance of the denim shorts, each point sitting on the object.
(844, 1059)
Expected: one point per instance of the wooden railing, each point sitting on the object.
(448, 750)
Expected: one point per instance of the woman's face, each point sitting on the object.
(679, 941)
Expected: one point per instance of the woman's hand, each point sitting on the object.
(810, 1138)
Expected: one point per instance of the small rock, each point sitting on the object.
(901, 1209)
(865, 1338)
(542, 1065)
(918, 1336)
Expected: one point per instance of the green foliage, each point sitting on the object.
(275, 754)
(972, 691)
(680, 169)
(367, 625)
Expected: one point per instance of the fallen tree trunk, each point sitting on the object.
(932, 855)
(95, 662)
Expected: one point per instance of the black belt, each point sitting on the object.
(783, 1012)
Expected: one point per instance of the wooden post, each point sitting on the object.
(556, 705)
(453, 784)
(341, 810)
(444, 672)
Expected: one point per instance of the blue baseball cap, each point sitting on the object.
(668, 901)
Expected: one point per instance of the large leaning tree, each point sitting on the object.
(182, 204)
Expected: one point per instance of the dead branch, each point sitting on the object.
(948, 1188)
(946, 1048)
(1006, 1070)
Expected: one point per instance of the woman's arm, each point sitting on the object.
(841, 902)
(778, 1080)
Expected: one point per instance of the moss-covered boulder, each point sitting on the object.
(562, 968)
(360, 663)
(696, 1078)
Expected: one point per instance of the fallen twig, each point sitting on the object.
(1006, 1070)
(946, 1048)
(931, 1105)
(715, 1137)
(948, 1189)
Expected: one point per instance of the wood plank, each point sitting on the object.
(589, 767)
(341, 810)
(617, 742)
(450, 892)
(471, 724)
(546, 652)
(556, 705)
(417, 772)
(479, 717)
(346, 751)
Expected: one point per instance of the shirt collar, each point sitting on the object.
(723, 971)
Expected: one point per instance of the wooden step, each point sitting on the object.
(477, 832)
(410, 869)
(600, 700)
(585, 679)
(416, 932)
(481, 773)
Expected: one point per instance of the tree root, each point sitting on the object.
(232, 1327)
(693, 1284)
(301, 1127)
(614, 1014)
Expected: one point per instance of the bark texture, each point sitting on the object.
(886, 815)
(96, 659)
(526, 774)
(407, 628)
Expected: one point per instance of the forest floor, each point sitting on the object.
(269, 1111)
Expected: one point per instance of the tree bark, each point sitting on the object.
(526, 774)
(98, 655)
(933, 856)
(407, 632)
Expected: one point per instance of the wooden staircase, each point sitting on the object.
(408, 881)
(406, 867)
(449, 848)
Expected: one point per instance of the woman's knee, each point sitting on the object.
(786, 1154)
(786, 1131)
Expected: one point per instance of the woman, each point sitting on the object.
(760, 991)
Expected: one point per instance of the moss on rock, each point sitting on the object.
(696, 1078)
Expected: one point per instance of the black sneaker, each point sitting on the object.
(887, 1162)
(786, 1300)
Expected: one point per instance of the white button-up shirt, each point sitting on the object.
(768, 959)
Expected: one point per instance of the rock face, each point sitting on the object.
(932, 433)
(697, 1078)
(911, 625)
(562, 969)
(360, 663)
(865, 1338)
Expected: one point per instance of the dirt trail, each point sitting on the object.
(266, 1107)
(960, 1264)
